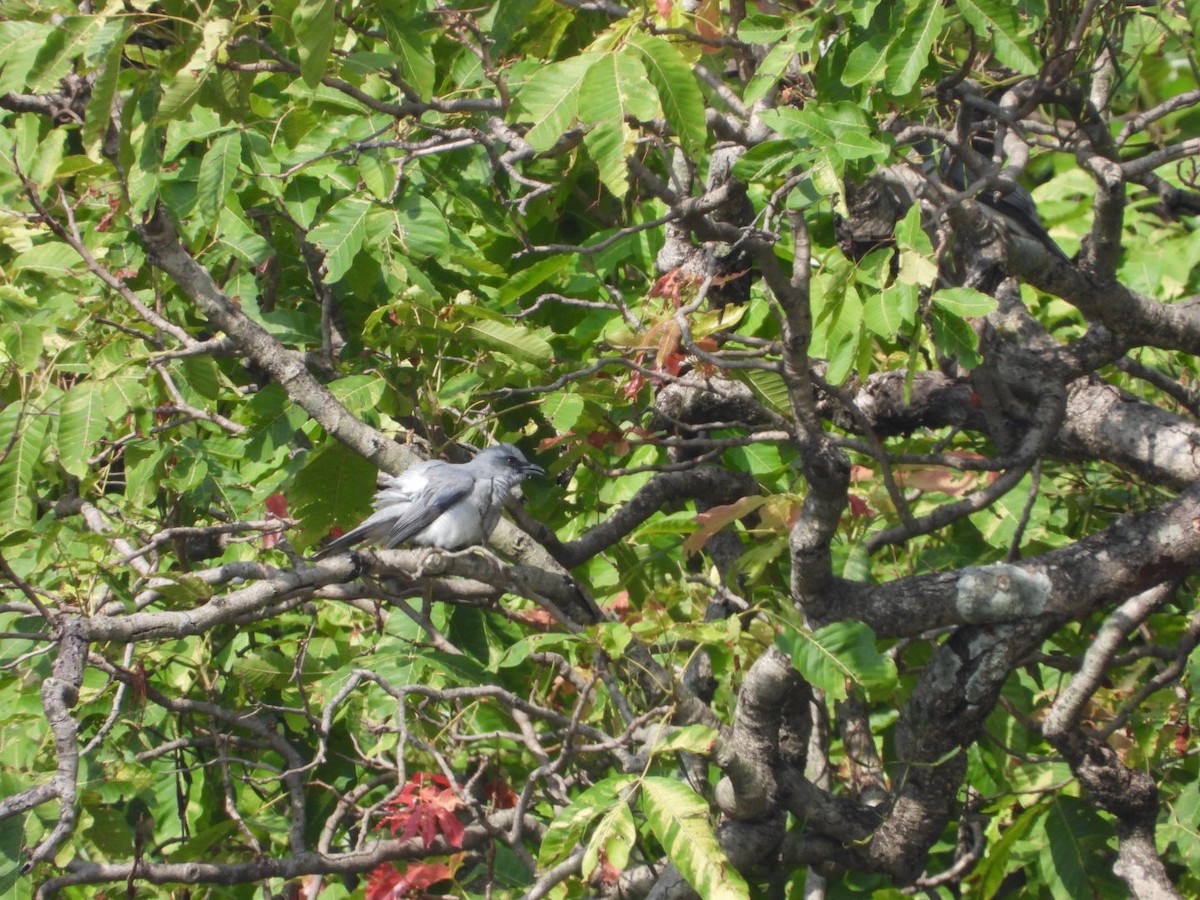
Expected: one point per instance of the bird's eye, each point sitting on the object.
(512, 462)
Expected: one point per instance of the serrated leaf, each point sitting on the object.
(831, 656)
(16, 468)
(218, 170)
(341, 234)
(680, 821)
(273, 420)
(569, 826)
(80, 425)
(996, 22)
(680, 96)
(550, 99)
(314, 25)
(52, 258)
(909, 54)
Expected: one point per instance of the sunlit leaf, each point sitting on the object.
(680, 820)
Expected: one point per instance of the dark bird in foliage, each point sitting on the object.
(443, 505)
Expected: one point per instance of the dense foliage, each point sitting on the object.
(862, 564)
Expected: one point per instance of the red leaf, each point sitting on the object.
(717, 517)
(389, 883)
(663, 7)
(499, 794)
(277, 506)
(634, 385)
(425, 806)
(547, 443)
(383, 882)
(859, 507)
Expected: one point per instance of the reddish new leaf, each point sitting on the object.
(425, 806)
(389, 883)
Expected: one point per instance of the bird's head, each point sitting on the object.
(506, 462)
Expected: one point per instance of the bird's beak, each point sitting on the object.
(532, 469)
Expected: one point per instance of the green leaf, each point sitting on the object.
(550, 99)
(563, 410)
(569, 826)
(615, 87)
(1075, 860)
(201, 377)
(515, 340)
(20, 42)
(334, 487)
(770, 388)
(761, 28)
(867, 61)
(12, 842)
(341, 234)
(682, 102)
(909, 53)
(886, 312)
(359, 393)
(181, 94)
(687, 739)
(80, 425)
(264, 669)
(965, 302)
(524, 281)
(218, 170)
(16, 468)
(51, 258)
(841, 652)
(314, 24)
(421, 227)
(104, 89)
(56, 57)
(407, 41)
(184, 591)
(614, 836)
(996, 21)
(23, 345)
(679, 819)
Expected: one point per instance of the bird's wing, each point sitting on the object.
(406, 505)
(414, 500)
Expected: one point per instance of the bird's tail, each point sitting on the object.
(343, 542)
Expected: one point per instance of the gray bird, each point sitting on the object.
(439, 504)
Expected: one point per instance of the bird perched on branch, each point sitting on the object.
(443, 505)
